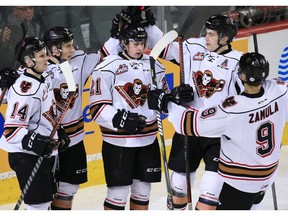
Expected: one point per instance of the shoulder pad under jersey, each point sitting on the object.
(26, 85)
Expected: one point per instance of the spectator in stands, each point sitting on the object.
(33, 26)
(5, 33)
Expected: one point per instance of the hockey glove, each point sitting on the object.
(142, 15)
(41, 145)
(182, 94)
(119, 22)
(63, 139)
(8, 77)
(158, 100)
(130, 122)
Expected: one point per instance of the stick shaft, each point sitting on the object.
(162, 142)
(187, 23)
(274, 196)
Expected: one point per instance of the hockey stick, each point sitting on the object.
(255, 43)
(24, 32)
(187, 23)
(275, 203)
(273, 187)
(155, 52)
(66, 69)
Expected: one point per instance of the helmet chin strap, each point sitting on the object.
(36, 71)
(220, 45)
(125, 53)
(58, 57)
(33, 68)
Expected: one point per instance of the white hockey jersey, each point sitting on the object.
(120, 83)
(251, 130)
(213, 76)
(82, 65)
(31, 107)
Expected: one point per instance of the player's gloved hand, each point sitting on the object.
(182, 94)
(142, 15)
(41, 145)
(8, 76)
(158, 100)
(130, 122)
(119, 22)
(63, 139)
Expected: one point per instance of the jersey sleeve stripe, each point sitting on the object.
(189, 123)
(9, 133)
(15, 125)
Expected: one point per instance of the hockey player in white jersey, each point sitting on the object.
(30, 119)
(118, 103)
(251, 128)
(72, 169)
(210, 66)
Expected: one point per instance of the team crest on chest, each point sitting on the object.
(122, 69)
(25, 86)
(135, 94)
(51, 114)
(206, 84)
(62, 96)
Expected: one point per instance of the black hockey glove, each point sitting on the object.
(158, 100)
(130, 122)
(63, 139)
(119, 22)
(182, 94)
(8, 77)
(41, 145)
(142, 15)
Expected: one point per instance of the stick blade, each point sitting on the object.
(162, 43)
(188, 22)
(67, 72)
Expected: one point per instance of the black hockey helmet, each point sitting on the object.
(255, 67)
(28, 47)
(133, 33)
(57, 36)
(224, 25)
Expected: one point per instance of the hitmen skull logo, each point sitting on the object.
(135, 94)
(206, 84)
(61, 96)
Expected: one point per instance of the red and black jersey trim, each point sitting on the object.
(9, 131)
(74, 127)
(95, 107)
